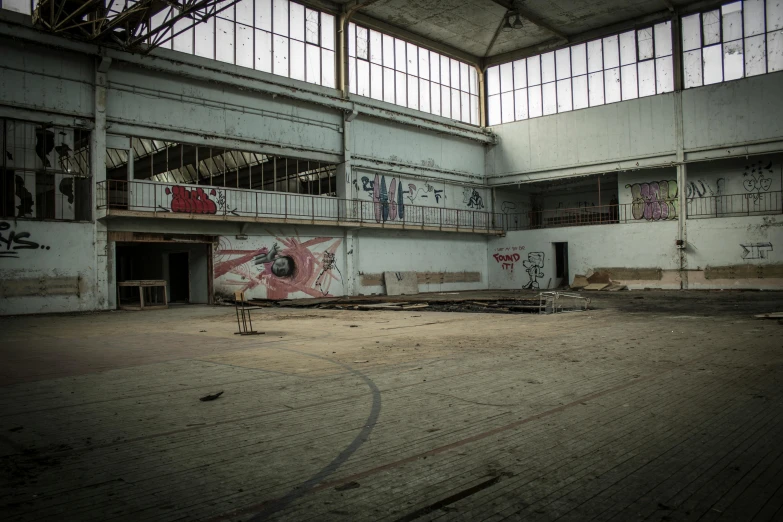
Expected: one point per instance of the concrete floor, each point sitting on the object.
(656, 406)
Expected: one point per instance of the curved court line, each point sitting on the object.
(304, 488)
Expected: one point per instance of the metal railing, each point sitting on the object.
(193, 200)
(731, 205)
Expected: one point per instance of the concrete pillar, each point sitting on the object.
(103, 265)
(351, 249)
(346, 191)
(682, 229)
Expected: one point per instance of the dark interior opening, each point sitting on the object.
(561, 261)
(179, 277)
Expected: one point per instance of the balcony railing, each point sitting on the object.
(200, 200)
(731, 205)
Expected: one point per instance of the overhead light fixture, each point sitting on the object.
(507, 24)
(517, 22)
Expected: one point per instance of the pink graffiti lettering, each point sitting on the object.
(193, 201)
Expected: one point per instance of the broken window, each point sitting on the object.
(741, 39)
(619, 67)
(393, 70)
(189, 164)
(45, 172)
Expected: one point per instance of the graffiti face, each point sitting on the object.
(290, 266)
(756, 179)
(654, 201)
(533, 266)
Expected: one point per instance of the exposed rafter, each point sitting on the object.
(133, 25)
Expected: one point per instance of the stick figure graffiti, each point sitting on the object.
(472, 198)
(533, 266)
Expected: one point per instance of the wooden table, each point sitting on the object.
(141, 285)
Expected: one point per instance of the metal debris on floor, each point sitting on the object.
(559, 302)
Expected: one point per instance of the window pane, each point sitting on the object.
(327, 31)
(595, 60)
(646, 78)
(445, 102)
(663, 39)
(388, 85)
(713, 64)
(774, 16)
(628, 48)
(474, 110)
(581, 99)
(327, 68)
(445, 72)
(455, 74)
(664, 74)
(755, 55)
(691, 33)
(493, 80)
(547, 67)
(775, 51)
(464, 102)
(435, 68)
(464, 83)
(400, 59)
(753, 17)
(549, 93)
(352, 72)
(564, 100)
(376, 81)
(263, 15)
(351, 39)
(595, 83)
(711, 27)
(424, 64)
(493, 108)
(297, 59)
(313, 64)
(435, 98)
(613, 92)
(645, 38)
(732, 21)
(280, 17)
(473, 81)
(611, 52)
(507, 107)
(263, 51)
(363, 78)
(534, 106)
(376, 47)
(520, 104)
(506, 77)
(412, 55)
(691, 62)
(296, 19)
(533, 70)
(579, 60)
(424, 95)
(520, 74)
(388, 51)
(401, 85)
(362, 43)
(244, 45)
(733, 60)
(280, 47)
(205, 39)
(630, 82)
(455, 104)
(224, 48)
(563, 63)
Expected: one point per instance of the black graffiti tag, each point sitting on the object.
(15, 241)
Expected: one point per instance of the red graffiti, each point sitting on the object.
(506, 260)
(193, 201)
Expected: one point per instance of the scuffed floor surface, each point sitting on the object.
(658, 406)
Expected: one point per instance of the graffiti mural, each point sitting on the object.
(701, 188)
(472, 198)
(533, 267)
(509, 208)
(756, 250)
(14, 241)
(654, 200)
(289, 266)
(191, 201)
(757, 179)
(507, 261)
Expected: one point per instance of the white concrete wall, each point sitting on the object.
(47, 267)
(405, 251)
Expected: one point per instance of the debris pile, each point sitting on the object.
(597, 281)
(508, 305)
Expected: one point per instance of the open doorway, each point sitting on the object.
(184, 266)
(561, 263)
(179, 277)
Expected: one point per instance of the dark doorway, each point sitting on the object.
(561, 262)
(179, 277)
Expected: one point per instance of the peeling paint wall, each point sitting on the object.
(46, 267)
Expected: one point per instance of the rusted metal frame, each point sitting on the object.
(183, 14)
